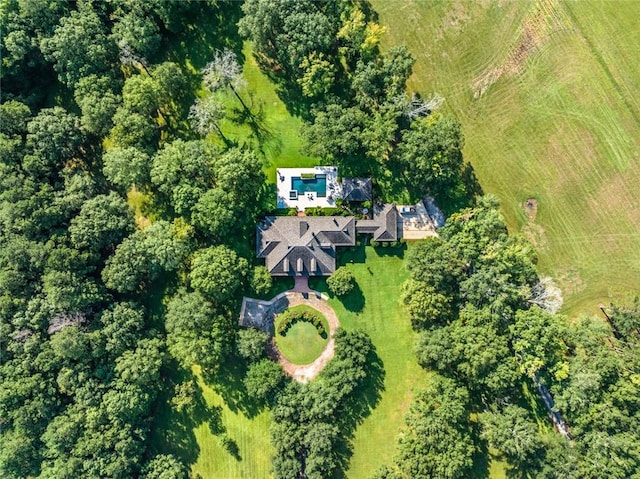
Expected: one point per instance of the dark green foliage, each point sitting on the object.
(425, 304)
(134, 129)
(385, 472)
(82, 364)
(285, 32)
(472, 350)
(231, 207)
(122, 325)
(337, 136)
(214, 213)
(14, 116)
(341, 282)
(252, 343)
(305, 428)
(264, 379)
(182, 171)
(196, 334)
(98, 103)
(431, 153)
(138, 31)
(261, 280)
(512, 432)
(382, 79)
(318, 211)
(437, 443)
(103, 222)
(217, 272)
(626, 320)
(126, 166)
(53, 137)
(165, 466)
(80, 47)
(143, 256)
(25, 74)
(141, 95)
(539, 342)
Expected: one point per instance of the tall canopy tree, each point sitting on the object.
(217, 272)
(102, 223)
(196, 334)
(92, 53)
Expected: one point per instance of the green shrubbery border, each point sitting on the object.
(289, 318)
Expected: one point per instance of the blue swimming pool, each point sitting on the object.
(318, 185)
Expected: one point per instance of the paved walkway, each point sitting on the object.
(301, 284)
(304, 373)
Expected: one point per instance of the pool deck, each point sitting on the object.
(310, 199)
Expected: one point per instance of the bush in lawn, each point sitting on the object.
(261, 280)
(341, 282)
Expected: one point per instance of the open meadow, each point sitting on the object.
(548, 94)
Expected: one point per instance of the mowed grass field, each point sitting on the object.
(374, 309)
(549, 97)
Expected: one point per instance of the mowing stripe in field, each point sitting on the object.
(549, 97)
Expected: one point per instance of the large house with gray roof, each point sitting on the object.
(306, 245)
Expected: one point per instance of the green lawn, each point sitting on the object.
(196, 438)
(250, 433)
(549, 97)
(373, 307)
(302, 344)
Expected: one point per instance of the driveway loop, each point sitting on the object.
(261, 314)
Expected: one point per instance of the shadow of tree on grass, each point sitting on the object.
(355, 300)
(173, 428)
(363, 400)
(228, 381)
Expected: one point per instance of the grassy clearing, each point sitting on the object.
(302, 344)
(373, 307)
(277, 133)
(249, 433)
(220, 411)
(549, 97)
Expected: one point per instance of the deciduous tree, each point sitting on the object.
(80, 47)
(341, 282)
(196, 334)
(217, 272)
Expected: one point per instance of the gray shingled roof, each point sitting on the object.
(293, 245)
(356, 189)
(383, 226)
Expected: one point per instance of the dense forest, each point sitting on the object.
(102, 297)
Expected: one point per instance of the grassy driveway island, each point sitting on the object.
(301, 342)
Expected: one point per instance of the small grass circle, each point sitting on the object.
(301, 342)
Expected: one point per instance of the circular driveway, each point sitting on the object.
(305, 372)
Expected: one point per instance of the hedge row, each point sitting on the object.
(317, 211)
(289, 318)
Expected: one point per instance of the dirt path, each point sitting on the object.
(304, 373)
